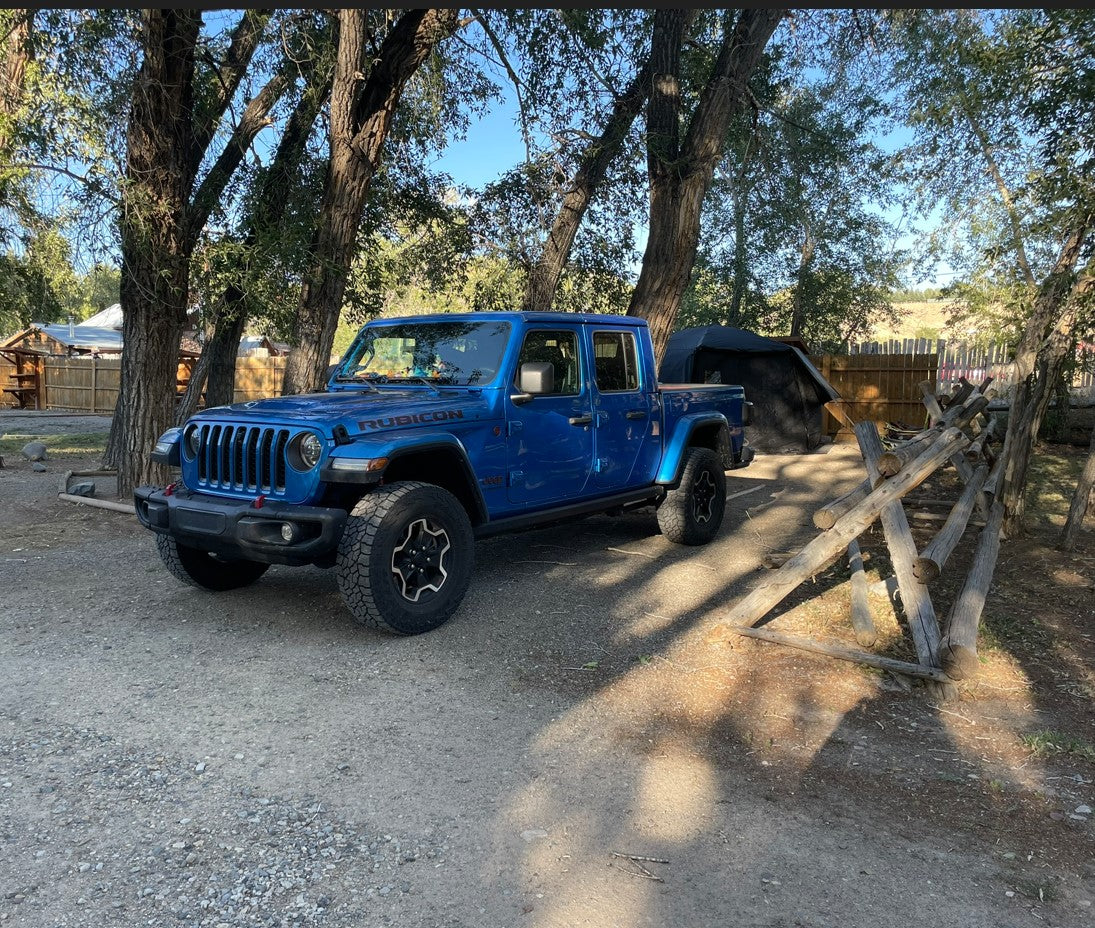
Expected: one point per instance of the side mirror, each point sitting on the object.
(535, 379)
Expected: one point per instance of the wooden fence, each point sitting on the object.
(878, 387)
(91, 385)
(975, 363)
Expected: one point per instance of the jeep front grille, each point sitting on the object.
(244, 457)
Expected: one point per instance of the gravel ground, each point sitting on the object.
(256, 759)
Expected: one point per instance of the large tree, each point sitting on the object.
(368, 84)
(248, 264)
(681, 169)
(1001, 106)
(175, 116)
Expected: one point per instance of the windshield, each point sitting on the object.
(456, 353)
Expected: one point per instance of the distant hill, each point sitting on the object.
(920, 319)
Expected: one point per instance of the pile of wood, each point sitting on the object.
(960, 436)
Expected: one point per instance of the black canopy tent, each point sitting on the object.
(787, 392)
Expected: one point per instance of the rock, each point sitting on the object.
(84, 488)
(38, 467)
(199, 767)
(1082, 810)
(34, 451)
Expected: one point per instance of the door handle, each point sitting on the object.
(637, 414)
(580, 420)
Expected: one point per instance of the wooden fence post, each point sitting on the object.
(919, 611)
(750, 609)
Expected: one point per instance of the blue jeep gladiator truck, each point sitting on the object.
(434, 430)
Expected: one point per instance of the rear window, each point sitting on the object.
(615, 365)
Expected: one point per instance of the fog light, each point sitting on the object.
(287, 531)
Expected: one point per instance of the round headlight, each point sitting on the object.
(311, 448)
(192, 441)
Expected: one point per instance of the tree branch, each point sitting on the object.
(1002, 188)
(245, 41)
(514, 79)
(253, 121)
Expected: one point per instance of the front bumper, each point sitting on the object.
(236, 528)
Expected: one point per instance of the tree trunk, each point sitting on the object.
(597, 158)
(680, 174)
(155, 248)
(1058, 291)
(1081, 499)
(798, 311)
(361, 114)
(741, 253)
(17, 51)
(166, 140)
(215, 371)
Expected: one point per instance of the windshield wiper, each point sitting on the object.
(416, 379)
(350, 378)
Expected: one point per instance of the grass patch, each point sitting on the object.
(1050, 484)
(77, 443)
(1052, 744)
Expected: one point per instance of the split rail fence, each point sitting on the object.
(959, 434)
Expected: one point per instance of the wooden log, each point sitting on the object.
(958, 650)
(98, 503)
(825, 518)
(890, 462)
(929, 565)
(862, 622)
(980, 444)
(845, 654)
(919, 611)
(960, 395)
(992, 482)
(887, 588)
(935, 411)
(965, 414)
(751, 608)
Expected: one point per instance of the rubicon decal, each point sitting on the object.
(419, 418)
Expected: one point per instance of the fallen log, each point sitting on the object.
(890, 462)
(751, 608)
(960, 395)
(935, 411)
(919, 611)
(992, 482)
(958, 649)
(980, 445)
(827, 515)
(961, 416)
(929, 565)
(845, 654)
(862, 621)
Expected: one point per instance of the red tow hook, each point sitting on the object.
(259, 500)
(169, 489)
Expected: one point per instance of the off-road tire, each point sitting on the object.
(379, 541)
(204, 570)
(691, 514)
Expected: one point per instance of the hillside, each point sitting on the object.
(923, 319)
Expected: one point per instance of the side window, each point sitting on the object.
(560, 348)
(614, 358)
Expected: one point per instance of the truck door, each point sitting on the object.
(625, 435)
(550, 437)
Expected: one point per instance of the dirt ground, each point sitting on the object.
(169, 757)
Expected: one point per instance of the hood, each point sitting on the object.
(359, 412)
